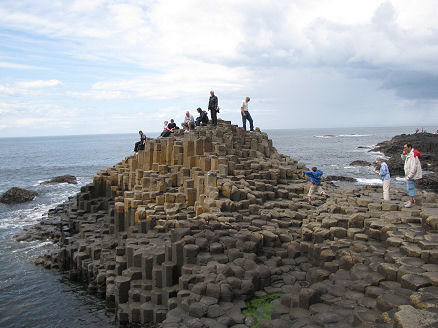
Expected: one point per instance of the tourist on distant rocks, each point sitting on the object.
(315, 182)
(189, 122)
(246, 115)
(383, 172)
(172, 125)
(413, 170)
(202, 120)
(213, 107)
(139, 145)
(166, 131)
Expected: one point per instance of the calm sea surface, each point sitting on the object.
(34, 297)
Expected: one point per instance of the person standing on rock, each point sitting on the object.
(246, 115)
(383, 171)
(213, 107)
(315, 182)
(413, 171)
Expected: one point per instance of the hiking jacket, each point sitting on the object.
(212, 103)
(412, 165)
(315, 177)
(384, 171)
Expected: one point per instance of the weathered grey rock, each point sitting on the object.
(17, 195)
(71, 179)
(409, 317)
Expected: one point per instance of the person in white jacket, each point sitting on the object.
(413, 170)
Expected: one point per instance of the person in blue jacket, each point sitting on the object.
(315, 182)
(383, 171)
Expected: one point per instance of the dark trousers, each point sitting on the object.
(138, 146)
(249, 118)
(213, 116)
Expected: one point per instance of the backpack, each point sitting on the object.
(417, 154)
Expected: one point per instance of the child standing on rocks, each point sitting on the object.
(315, 182)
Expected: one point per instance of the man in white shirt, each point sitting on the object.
(246, 115)
(413, 171)
(189, 122)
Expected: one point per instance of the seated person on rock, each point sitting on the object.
(189, 122)
(166, 131)
(139, 145)
(202, 120)
(172, 125)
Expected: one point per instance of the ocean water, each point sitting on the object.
(34, 297)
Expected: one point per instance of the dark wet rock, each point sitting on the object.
(71, 179)
(429, 182)
(17, 195)
(361, 163)
(339, 178)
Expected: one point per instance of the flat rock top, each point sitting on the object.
(62, 179)
(17, 195)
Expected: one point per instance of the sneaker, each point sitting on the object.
(409, 205)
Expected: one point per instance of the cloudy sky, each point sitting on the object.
(109, 66)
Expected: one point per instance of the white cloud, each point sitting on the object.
(27, 87)
(38, 84)
(172, 51)
(19, 66)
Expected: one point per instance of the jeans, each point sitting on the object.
(411, 188)
(249, 118)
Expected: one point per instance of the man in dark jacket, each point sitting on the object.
(140, 144)
(213, 107)
(203, 117)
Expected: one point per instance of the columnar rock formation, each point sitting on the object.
(196, 224)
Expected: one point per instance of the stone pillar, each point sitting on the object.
(119, 217)
(189, 151)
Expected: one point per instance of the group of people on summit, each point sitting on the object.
(191, 123)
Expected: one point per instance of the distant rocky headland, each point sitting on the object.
(188, 231)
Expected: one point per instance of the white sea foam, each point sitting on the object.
(354, 135)
(327, 136)
(369, 181)
(378, 153)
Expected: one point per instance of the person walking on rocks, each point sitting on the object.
(246, 115)
(413, 171)
(315, 182)
(139, 145)
(383, 172)
(213, 107)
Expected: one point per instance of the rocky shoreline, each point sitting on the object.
(187, 231)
